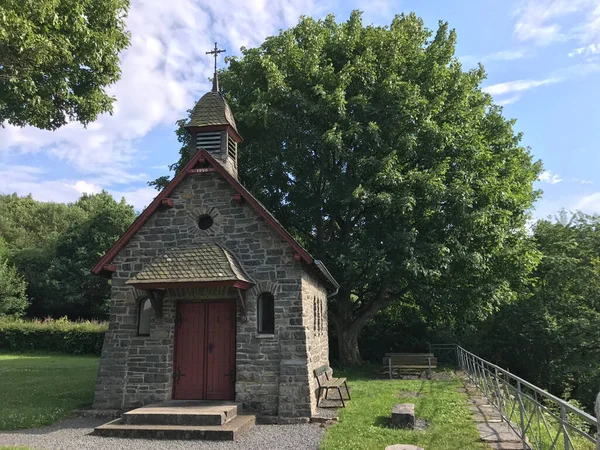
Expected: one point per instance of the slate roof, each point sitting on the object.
(211, 109)
(199, 263)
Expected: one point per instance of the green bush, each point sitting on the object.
(62, 335)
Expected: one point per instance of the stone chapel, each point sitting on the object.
(212, 299)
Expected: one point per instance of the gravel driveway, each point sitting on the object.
(73, 434)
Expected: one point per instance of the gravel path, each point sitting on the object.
(74, 434)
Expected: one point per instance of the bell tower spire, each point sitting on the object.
(216, 52)
(212, 126)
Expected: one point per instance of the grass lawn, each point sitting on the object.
(364, 422)
(38, 390)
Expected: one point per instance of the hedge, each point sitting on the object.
(62, 336)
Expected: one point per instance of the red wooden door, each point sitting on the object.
(220, 383)
(190, 353)
(204, 360)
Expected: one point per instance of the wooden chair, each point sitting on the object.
(326, 383)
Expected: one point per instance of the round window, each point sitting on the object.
(205, 222)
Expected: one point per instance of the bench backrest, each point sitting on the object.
(410, 354)
(322, 374)
(410, 360)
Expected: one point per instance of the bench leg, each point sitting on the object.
(319, 395)
(341, 397)
(347, 390)
(326, 393)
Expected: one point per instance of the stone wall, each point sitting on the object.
(272, 377)
(315, 316)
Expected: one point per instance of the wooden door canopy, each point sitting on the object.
(201, 265)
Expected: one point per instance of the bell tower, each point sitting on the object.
(212, 126)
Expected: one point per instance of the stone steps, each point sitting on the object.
(184, 413)
(226, 432)
(180, 420)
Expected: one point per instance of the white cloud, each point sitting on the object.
(25, 180)
(517, 86)
(588, 50)
(546, 21)
(580, 181)
(508, 100)
(589, 204)
(164, 72)
(83, 187)
(504, 55)
(548, 177)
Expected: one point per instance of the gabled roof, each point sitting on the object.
(198, 264)
(203, 155)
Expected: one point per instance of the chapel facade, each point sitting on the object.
(212, 299)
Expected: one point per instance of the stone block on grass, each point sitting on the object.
(403, 416)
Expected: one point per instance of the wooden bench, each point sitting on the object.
(409, 362)
(325, 383)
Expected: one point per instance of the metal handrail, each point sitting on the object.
(539, 418)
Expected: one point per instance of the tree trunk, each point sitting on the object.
(349, 323)
(348, 344)
(347, 330)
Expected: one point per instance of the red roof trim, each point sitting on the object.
(244, 285)
(147, 213)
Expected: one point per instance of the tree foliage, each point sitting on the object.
(387, 161)
(13, 300)
(56, 59)
(54, 246)
(550, 335)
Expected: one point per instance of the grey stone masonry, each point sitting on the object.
(273, 372)
(403, 416)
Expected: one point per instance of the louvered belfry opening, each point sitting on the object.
(232, 148)
(210, 140)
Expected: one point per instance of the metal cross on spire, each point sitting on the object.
(216, 52)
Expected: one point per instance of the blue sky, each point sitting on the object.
(542, 59)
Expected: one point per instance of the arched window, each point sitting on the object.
(266, 313)
(144, 317)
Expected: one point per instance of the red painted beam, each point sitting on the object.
(238, 198)
(198, 284)
(110, 268)
(167, 202)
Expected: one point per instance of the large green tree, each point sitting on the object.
(56, 59)
(550, 335)
(53, 247)
(75, 291)
(388, 162)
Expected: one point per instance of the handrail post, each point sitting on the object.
(521, 414)
(564, 418)
(498, 393)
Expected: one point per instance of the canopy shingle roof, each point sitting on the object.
(211, 109)
(203, 263)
